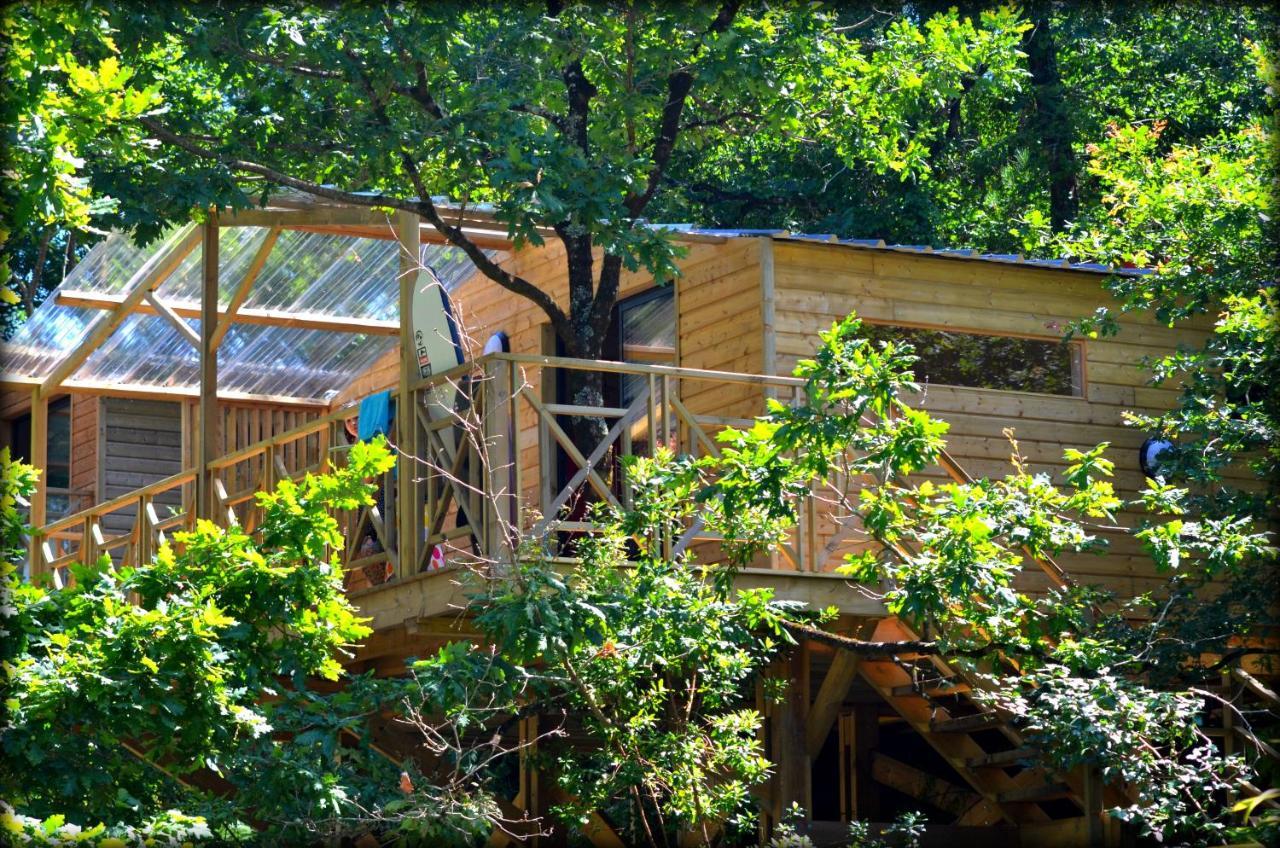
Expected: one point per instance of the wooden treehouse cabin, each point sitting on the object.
(163, 383)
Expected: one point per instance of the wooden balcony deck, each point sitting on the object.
(486, 462)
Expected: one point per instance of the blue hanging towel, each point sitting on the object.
(375, 415)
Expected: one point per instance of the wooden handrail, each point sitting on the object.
(299, 432)
(610, 367)
(181, 478)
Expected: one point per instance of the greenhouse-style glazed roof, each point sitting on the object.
(318, 275)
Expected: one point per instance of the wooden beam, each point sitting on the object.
(143, 392)
(183, 328)
(207, 444)
(487, 239)
(261, 317)
(826, 706)
(1254, 685)
(923, 786)
(341, 216)
(151, 274)
(40, 459)
(442, 593)
(246, 285)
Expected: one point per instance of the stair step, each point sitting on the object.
(931, 688)
(965, 724)
(1043, 792)
(1001, 759)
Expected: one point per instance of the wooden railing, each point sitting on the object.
(505, 465)
(487, 461)
(128, 528)
(461, 468)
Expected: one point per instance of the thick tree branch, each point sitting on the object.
(865, 648)
(539, 112)
(276, 62)
(422, 206)
(679, 84)
(580, 90)
(606, 294)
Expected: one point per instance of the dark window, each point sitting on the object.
(989, 361)
(58, 441)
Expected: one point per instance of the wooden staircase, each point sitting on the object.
(981, 745)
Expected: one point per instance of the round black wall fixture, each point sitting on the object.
(1149, 455)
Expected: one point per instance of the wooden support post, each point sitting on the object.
(826, 706)
(407, 517)
(1094, 808)
(866, 738)
(39, 459)
(790, 746)
(207, 439)
(768, 312)
(500, 512)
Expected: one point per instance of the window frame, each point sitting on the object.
(1078, 356)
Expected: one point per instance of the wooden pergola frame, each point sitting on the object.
(140, 297)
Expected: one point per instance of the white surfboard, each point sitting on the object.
(437, 346)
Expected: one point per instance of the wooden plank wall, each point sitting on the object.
(817, 284)
(141, 443)
(721, 327)
(724, 323)
(85, 419)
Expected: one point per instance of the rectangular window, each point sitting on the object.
(57, 471)
(983, 361)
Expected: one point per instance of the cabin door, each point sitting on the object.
(643, 331)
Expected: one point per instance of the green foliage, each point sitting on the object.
(656, 664)
(170, 828)
(852, 422)
(172, 660)
(1067, 664)
(1085, 707)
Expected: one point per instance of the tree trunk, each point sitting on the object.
(582, 335)
(1051, 121)
(586, 388)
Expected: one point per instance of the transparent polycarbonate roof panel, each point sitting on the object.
(283, 362)
(54, 331)
(44, 340)
(305, 273)
(293, 362)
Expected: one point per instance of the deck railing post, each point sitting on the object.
(207, 444)
(499, 420)
(40, 459)
(407, 516)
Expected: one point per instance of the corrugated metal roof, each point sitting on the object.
(946, 252)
